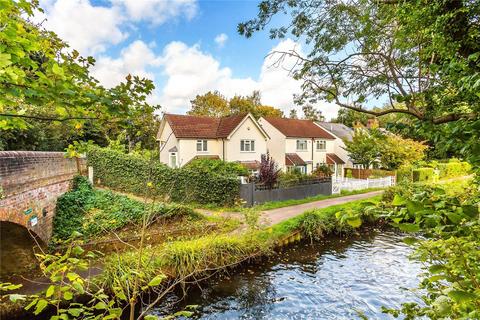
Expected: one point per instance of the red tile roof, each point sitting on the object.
(293, 159)
(332, 158)
(296, 128)
(185, 126)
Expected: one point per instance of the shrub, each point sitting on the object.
(219, 167)
(423, 174)
(92, 212)
(324, 171)
(130, 173)
(269, 171)
(349, 174)
(453, 168)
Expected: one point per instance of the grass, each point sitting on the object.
(194, 256)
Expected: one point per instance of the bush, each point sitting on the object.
(130, 173)
(92, 212)
(453, 168)
(423, 174)
(219, 167)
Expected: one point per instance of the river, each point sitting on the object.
(336, 279)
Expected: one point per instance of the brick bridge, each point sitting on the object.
(30, 184)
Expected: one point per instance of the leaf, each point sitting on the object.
(410, 240)
(100, 305)
(151, 317)
(56, 69)
(77, 250)
(156, 280)
(5, 60)
(398, 200)
(462, 296)
(454, 218)
(50, 291)
(68, 295)
(75, 311)
(436, 268)
(355, 222)
(409, 227)
(78, 286)
(41, 305)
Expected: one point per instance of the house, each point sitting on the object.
(301, 144)
(342, 133)
(183, 138)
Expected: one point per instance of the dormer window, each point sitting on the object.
(201, 145)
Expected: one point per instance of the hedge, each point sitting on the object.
(130, 173)
(423, 174)
(453, 169)
(93, 212)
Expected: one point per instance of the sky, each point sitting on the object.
(187, 47)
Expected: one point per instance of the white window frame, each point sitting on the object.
(202, 145)
(247, 142)
(173, 154)
(301, 142)
(318, 142)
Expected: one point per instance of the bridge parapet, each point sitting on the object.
(30, 183)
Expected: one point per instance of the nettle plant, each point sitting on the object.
(450, 252)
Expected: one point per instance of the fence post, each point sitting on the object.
(90, 174)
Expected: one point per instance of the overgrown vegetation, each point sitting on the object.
(91, 212)
(433, 170)
(130, 173)
(219, 167)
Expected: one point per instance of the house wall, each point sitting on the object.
(342, 153)
(187, 149)
(171, 141)
(247, 130)
(318, 157)
(276, 143)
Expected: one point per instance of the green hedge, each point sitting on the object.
(129, 173)
(423, 174)
(453, 169)
(93, 212)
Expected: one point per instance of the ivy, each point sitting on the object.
(130, 173)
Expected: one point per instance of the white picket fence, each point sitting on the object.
(350, 184)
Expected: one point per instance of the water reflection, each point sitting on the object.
(330, 280)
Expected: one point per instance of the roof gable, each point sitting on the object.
(296, 128)
(201, 127)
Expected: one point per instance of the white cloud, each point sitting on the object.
(157, 11)
(189, 72)
(221, 39)
(91, 29)
(87, 28)
(136, 59)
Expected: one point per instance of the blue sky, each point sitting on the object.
(187, 47)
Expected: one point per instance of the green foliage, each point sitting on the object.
(453, 168)
(423, 174)
(44, 80)
(93, 212)
(130, 173)
(67, 284)
(450, 222)
(217, 166)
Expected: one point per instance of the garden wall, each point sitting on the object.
(252, 196)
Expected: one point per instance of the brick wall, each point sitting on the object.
(31, 182)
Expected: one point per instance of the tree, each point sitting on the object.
(350, 118)
(364, 148)
(422, 57)
(211, 104)
(41, 79)
(310, 113)
(293, 114)
(396, 151)
(214, 104)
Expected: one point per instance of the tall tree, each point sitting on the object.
(350, 117)
(421, 57)
(211, 104)
(310, 113)
(293, 114)
(214, 104)
(43, 80)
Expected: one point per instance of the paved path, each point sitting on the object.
(274, 216)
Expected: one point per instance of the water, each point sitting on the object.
(337, 279)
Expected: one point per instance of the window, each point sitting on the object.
(301, 145)
(321, 145)
(247, 145)
(173, 159)
(201, 145)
